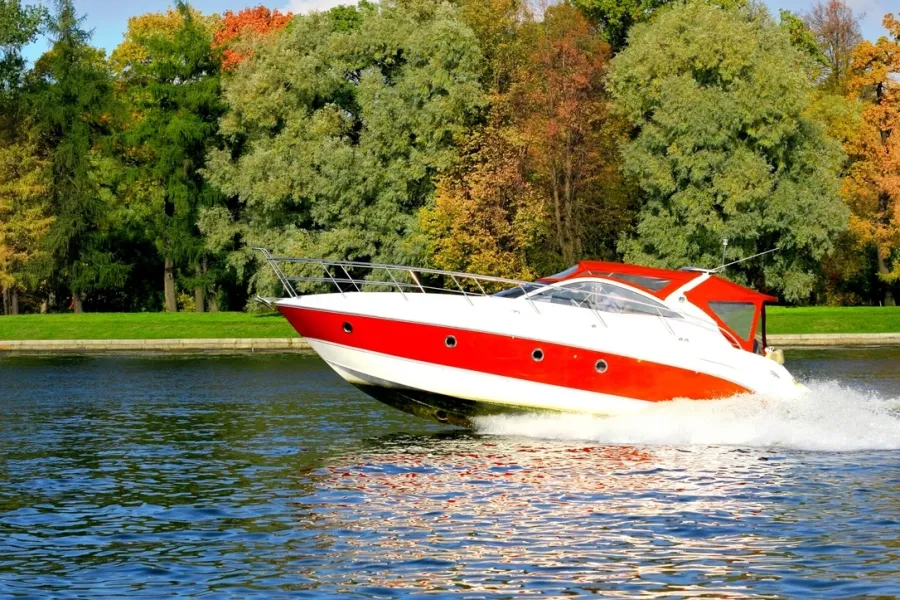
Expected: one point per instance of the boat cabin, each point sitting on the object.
(737, 310)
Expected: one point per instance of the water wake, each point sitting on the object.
(831, 417)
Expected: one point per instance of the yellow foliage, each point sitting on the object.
(872, 185)
(486, 218)
(132, 51)
(24, 217)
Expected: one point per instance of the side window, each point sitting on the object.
(737, 315)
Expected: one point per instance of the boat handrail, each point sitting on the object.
(416, 285)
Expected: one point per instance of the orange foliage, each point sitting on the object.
(566, 109)
(541, 185)
(872, 186)
(238, 26)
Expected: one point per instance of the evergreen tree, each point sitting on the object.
(72, 103)
(176, 101)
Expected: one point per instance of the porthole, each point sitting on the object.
(600, 366)
(537, 355)
(348, 328)
(450, 341)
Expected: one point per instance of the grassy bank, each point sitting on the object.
(110, 326)
(827, 319)
(152, 326)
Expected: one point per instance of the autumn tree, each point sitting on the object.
(487, 217)
(566, 123)
(837, 31)
(872, 187)
(23, 218)
(126, 58)
(501, 27)
(237, 30)
(72, 96)
(723, 150)
(175, 96)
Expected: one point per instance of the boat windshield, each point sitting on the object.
(518, 291)
(604, 296)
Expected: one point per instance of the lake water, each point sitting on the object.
(268, 476)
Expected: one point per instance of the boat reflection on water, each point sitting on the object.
(506, 515)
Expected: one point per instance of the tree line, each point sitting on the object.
(469, 135)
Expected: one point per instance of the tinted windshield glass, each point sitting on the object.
(737, 315)
(605, 297)
(565, 273)
(517, 291)
(653, 284)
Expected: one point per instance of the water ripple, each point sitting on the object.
(248, 477)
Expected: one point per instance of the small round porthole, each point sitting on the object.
(537, 355)
(600, 366)
(348, 328)
(450, 341)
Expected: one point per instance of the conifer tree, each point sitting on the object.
(72, 102)
(177, 103)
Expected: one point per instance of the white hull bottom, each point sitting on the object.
(453, 395)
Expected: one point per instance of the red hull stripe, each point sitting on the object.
(509, 356)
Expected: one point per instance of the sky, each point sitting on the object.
(109, 18)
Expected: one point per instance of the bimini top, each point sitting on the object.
(734, 307)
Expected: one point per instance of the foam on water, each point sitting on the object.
(830, 417)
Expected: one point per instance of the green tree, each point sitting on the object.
(18, 26)
(337, 133)
(615, 18)
(722, 148)
(72, 103)
(802, 37)
(174, 94)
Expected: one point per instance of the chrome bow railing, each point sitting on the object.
(406, 279)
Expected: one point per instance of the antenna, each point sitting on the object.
(740, 260)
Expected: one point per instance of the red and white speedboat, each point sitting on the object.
(600, 338)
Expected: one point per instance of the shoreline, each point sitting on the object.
(161, 346)
(300, 346)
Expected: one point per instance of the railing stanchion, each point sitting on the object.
(333, 280)
(350, 279)
(453, 277)
(416, 279)
(399, 287)
(528, 299)
(285, 283)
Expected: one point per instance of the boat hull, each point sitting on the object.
(447, 361)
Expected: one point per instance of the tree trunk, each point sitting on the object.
(883, 270)
(213, 302)
(199, 291)
(5, 300)
(77, 303)
(14, 302)
(169, 285)
(45, 307)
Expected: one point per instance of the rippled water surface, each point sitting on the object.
(268, 476)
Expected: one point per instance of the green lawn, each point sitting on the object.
(827, 319)
(130, 326)
(106, 326)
